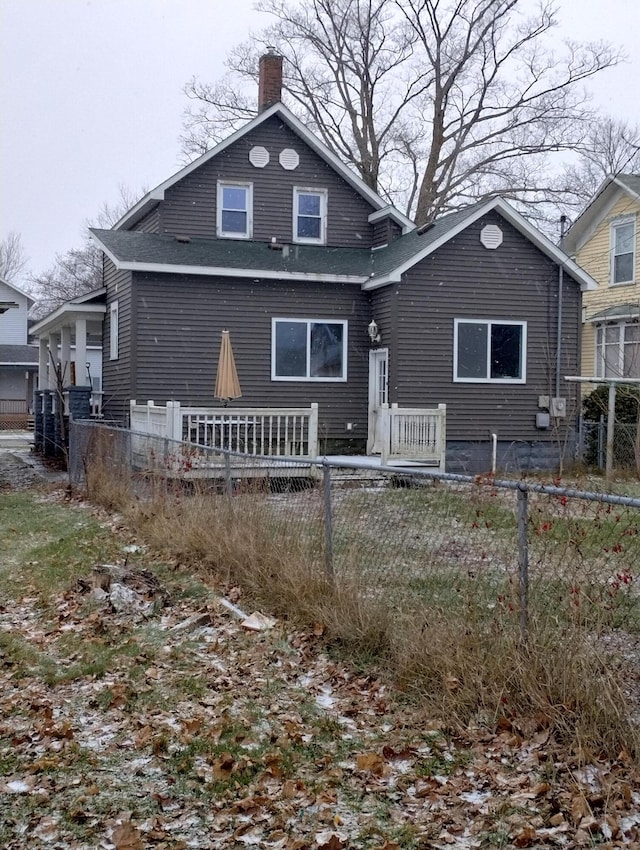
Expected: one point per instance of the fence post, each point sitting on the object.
(523, 563)
(328, 524)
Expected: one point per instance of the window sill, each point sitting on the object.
(495, 381)
(613, 285)
(303, 380)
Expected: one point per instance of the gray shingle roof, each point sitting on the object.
(18, 354)
(146, 249)
(631, 181)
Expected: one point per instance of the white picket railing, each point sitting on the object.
(413, 434)
(279, 432)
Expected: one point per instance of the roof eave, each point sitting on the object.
(69, 311)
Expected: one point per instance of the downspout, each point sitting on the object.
(494, 453)
(563, 221)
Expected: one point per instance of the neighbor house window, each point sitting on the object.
(618, 350)
(310, 216)
(308, 350)
(113, 331)
(235, 213)
(489, 351)
(623, 237)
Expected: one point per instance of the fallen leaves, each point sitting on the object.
(188, 724)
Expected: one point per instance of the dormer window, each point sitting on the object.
(310, 216)
(623, 236)
(235, 210)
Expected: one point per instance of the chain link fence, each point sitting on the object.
(483, 550)
(626, 447)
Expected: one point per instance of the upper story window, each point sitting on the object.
(623, 237)
(489, 351)
(235, 210)
(618, 350)
(310, 216)
(308, 350)
(113, 331)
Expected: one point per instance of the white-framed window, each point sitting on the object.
(489, 351)
(308, 350)
(623, 255)
(618, 350)
(114, 331)
(310, 215)
(234, 217)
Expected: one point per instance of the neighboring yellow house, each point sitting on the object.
(605, 242)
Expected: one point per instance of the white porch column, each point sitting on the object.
(54, 340)
(82, 379)
(65, 354)
(43, 363)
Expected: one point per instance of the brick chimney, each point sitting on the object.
(270, 82)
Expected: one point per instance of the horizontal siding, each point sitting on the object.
(190, 205)
(595, 258)
(150, 223)
(117, 374)
(13, 323)
(180, 320)
(464, 280)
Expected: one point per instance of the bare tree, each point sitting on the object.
(13, 260)
(78, 270)
(433, 102)
(609, 147)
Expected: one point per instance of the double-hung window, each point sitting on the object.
(310, 216)
(114, 331)
(623, 237)
(308, 350)
(618, 350)
(235, 210)
(489, 351)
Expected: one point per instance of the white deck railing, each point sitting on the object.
(413, 434)
(279, 432)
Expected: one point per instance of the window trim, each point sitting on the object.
(490, 380)
(309, 322)
(622, 222)
(114, 331)
(234, 184)
(324, 195)
(600, 363)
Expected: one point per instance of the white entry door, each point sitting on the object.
(378, 395)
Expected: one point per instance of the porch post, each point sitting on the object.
(53, 360)
(385, 433)
(65, 355)
(442, 436)
(43, 363)
(82, 379)
(313, 431)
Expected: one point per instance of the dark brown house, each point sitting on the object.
(332, 296)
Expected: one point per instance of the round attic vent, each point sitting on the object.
(289, 159)
(259, 156)
(491, 236)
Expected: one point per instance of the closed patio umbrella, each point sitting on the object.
(227, 383)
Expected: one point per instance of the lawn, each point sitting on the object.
(170, 725)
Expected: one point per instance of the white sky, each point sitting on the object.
(91, 97)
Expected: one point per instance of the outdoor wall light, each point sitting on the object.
(372, 329)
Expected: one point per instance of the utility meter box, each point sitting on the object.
(558, 407)
(543, 420)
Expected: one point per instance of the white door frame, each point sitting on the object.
(378, 394)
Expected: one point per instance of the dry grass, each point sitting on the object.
(467, 670)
